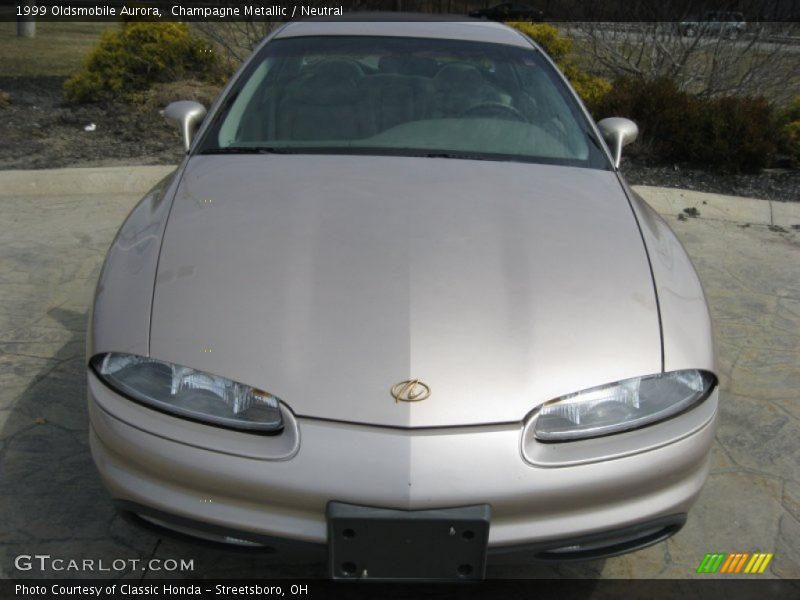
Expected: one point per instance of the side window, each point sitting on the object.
(544, 106)
(229, 131)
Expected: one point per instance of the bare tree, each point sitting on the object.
(235, 40)
(749, 59)
(637, 38)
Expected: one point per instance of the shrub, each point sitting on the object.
(666, 116)
(136, 56)
(790, 142)
(727, 133)
(591, 89)
(161, 94)
(792, 112)
(547, 37)
(736, 134)
(789, 132)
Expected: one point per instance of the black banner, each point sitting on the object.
(282, 10)
(733, 588)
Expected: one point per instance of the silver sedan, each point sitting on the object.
(398, 302)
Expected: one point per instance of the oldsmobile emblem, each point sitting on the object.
(412, 390)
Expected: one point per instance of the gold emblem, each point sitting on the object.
(412, 390)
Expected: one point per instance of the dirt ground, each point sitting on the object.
(38, 131)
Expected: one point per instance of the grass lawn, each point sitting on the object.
(58, 48)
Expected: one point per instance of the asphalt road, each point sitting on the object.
(56, 229)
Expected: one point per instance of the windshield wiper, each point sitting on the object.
(247, 150)
(457, 155)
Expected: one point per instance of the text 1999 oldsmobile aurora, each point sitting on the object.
(398, 300)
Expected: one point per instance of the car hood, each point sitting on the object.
(326, 280)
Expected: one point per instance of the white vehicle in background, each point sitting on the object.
(714, 23)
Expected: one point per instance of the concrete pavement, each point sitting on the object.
(57, 226)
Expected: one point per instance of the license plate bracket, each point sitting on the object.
(379, 543)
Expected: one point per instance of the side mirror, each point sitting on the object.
(189, 115)
(618, 132)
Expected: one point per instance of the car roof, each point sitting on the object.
(407, 25)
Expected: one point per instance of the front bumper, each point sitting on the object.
(260, 489)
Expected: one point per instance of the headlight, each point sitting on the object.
(188, 393)
(621, 406)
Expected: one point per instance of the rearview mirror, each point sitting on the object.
(189, 115)
(618, 132)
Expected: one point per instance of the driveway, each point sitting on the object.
(57, 226)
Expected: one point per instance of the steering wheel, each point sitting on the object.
(494, 109)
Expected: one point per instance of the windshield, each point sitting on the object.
(403, 96)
